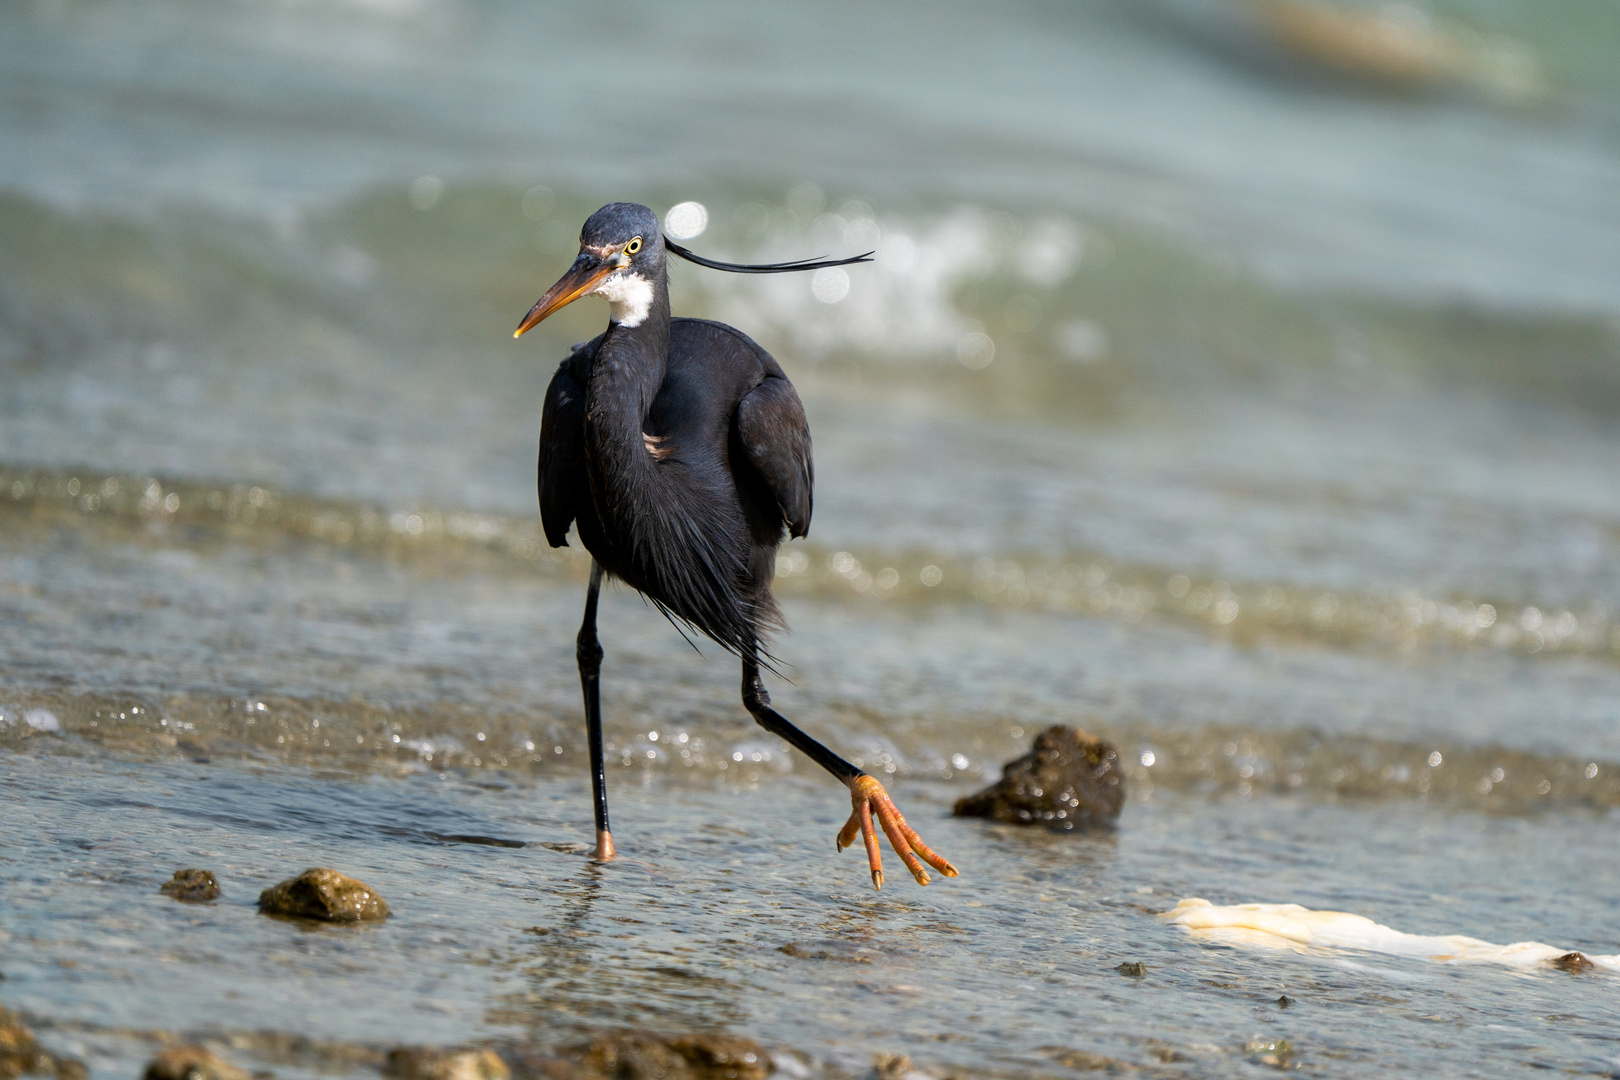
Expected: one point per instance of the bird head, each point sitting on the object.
(621, 256)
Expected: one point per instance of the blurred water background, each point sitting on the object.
(1238, 379)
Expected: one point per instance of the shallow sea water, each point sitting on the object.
(731, 911)
(1254, 415)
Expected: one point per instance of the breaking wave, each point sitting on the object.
(185, 512)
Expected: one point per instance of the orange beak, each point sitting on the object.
(580, 279)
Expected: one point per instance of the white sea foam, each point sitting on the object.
(1290, 926)
(33, 719)
(903, 305)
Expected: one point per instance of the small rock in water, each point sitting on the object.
(1069, 780)
(429, 1063)
(20, 1054)
(191, 1063)
(1284, 1001)
(893, 1067)
(1278, 1053)
(836, 951)
(1573, 962)
(192, 886)
(324, 894)
(1134, 968)
(724, 1056)
(1086, 1061)
(641, 1055)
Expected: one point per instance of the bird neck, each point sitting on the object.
(626, 373)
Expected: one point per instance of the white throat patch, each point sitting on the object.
(630, 296)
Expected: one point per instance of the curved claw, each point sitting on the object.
(870, 800)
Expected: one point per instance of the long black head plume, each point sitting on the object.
(762, 268)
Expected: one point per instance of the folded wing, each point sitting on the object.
(771, 427)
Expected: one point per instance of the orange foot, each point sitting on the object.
(869, 798)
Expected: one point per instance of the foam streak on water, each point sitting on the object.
(1281, 926)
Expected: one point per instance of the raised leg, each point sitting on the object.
(588, 651)
(866, 795)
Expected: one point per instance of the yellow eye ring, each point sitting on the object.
(633, 246)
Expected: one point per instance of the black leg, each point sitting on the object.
(758, 702)
(871, 806)
(588, 651)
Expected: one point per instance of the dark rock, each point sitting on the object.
(323, 894)
(1572, 962)
(1278, 1053)
(20, 1055)
(307, 1056)
(191, 1063)
(1085, 1060)
(430, 1063)
(1134, 968)
(724, 1057)
(535, 1063)
(835, 951)
(192, 886)
(1070, 780)
(1284, 1001)
(640, 1055)
(892, 1067)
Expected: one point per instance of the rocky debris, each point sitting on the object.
(1278, 1053)
(191, 1063)
(1574, 962)
(894, 1067)
(724, 1057)
(20, 1055)
(324, 894)
(192, 886)
(1134, 969)
(1085, 1060)
(430, 1063)
(839, 952)
(641, 1055)
(1069, 780)
(321, 1056)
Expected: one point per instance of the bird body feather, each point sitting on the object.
(684, 466)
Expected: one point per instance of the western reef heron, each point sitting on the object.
(680, 450)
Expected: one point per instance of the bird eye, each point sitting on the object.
(633, 246)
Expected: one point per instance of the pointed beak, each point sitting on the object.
(580, 279)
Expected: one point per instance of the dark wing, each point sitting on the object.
(770, 425)
(563, 484)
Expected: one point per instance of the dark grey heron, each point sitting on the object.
(681, 451)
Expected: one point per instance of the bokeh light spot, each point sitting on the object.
(975, 350)
(538, 203)
(686, 220)
(830, 284)
(425, 192)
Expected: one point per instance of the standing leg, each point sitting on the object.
(866, 795)
(588, 651)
